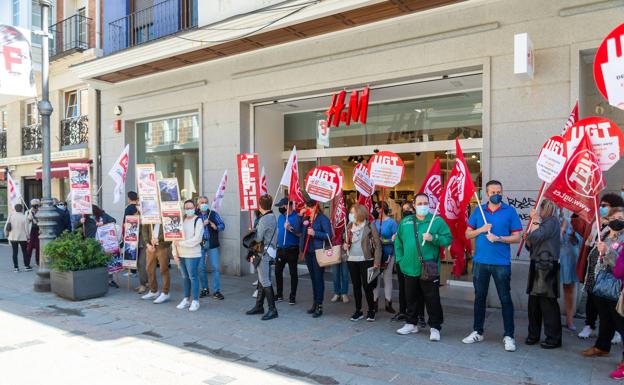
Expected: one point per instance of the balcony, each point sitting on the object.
(3, 144)
(70, 35)
(74, 132)
(32, 139)
(165, 18)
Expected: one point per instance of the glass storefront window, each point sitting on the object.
(172, 144)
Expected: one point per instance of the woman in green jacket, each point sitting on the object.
(416, 243)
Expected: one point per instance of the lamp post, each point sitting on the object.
(47, 215)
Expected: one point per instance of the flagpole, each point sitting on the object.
(431, 223)
(305, 248)
(480, 208)
(540, 195)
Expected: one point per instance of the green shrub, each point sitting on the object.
(71, 252)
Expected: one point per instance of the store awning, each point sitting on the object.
(58, 170)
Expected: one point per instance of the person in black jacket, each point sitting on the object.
(63, 221)
(544, 243)
(133, 209)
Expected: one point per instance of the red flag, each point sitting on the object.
(432, 186)
(367, 202)
(264, 190)
(338, 218)
(294, 192)
(577, 186)
(572, 119)
(454, 200)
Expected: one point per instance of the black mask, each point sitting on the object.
(375, 214)
(407, 213)
(282, 210)
(616, 224)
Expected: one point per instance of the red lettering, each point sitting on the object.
(358, 110)
(335, 110)
(12, 55)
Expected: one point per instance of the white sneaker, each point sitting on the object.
(345, 298)
(617, 339)
(194, 306)
(335, 298)
(255, 294)
(183, 304)
(587, 332)
(162, 298)
(150, 295)
(434, 335)
(255, 283)
(472, 338)
(510, 344)
(408, 329)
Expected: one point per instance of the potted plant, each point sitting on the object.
(77, 267)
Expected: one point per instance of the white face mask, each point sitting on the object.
(351, 218)
(422, 210)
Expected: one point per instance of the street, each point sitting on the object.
(120, 339)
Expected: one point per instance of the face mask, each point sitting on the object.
(62, 207)
(496, 199)
(422, 210)
(604, 211)
(351, 218)
(189, 212)
(282, 210)
(407, 213)
(35, 207)
(616, 224)
(622, 194)
(376, 214)
(203, 207)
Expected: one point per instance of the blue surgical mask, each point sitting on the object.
(622, 194)
(351, 218)
(422, 210)
(203, 207)
(604, 211)
(496, 199)
(190, 212)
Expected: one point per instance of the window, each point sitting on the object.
(4, 120)
(16, 13)
(36, 20)
(76, 103)
(32, 114)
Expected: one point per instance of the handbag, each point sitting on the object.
(607, 286)
(328, 257)
(620, 305)
(429, 269)
(543, 280)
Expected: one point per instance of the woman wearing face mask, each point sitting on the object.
(604, 255)
(387, 228)
(363, 248)
(187, 254)
(544, 243)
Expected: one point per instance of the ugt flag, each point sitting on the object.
(432, 186)
(264, 190)
(294, 192)
(118, 173)
(218, 199)
(338, 218)
(16, 73)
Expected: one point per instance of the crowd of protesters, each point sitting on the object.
(564, 250)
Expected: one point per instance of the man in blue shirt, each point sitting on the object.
(287, 248)
(492, 258)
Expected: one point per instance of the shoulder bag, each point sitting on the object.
(429, 269)
(607, 286)
(328, 257)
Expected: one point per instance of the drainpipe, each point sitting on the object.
(98, 143)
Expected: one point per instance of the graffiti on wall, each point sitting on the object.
(523, 206)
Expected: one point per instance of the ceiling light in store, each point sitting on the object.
(478, 161)
(474, 156)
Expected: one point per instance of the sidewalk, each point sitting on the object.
(120, 339)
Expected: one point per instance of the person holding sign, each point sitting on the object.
(157, 253)
(187, 254)
(495, 226)
(417, 247)
(213, 224)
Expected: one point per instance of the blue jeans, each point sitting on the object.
(481, 274)
(190, 279)
(316, 275)
(213, 255)
(340, 272)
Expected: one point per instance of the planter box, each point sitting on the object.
(79, 285)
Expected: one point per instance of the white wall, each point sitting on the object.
(216, 10)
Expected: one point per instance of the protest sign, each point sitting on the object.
(551, 159)
(148, 193)
(80, 188)
(131, 241)
(385, 169)
(609, 68)
(172, 225)
(322, 184)
(16, 67)
(248, 181)
(361, 180)
(107, 236)
(606, 139)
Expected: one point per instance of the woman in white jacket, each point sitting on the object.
(187, 254)
(17, 230)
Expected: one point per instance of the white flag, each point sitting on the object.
(218, 199)
(287, 171)
(264, 190)
(17, 76)
(13, 193)
(118, 173)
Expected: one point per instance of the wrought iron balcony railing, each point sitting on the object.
(70, 35)
(74, 132)
(3, 144)
(162, 19)
(32, 139)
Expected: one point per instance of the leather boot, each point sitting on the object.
(312, 309)
(389, 307)
(318, 312)
(259, 308)
(270, 296)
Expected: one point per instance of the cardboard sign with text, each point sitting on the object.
(322, 184)
(551, 159)
(386, 169)
(606, 139)
(362, 181)
(248, 181)
(609, 67)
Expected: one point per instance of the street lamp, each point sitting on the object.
(47, 215)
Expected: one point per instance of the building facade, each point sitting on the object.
(257, 76)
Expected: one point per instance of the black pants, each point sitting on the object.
(26, 256)
(287, 256)
(359, 280)
(591, 313)
(610, 322)
(546, 310)
(402, 300)
(419, 294)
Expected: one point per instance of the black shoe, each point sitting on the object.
(358, 315)
(203, 293)
(550, 345)
(312, 310)
(270, 296)
(259, 308)
(279, 299)
(531, 341)
(421, 323)
(398, 317)
(218, 296)
(291, 300)
(318, 312)
(389, 307)
(113, 284)
(370, 316)
(28, 268)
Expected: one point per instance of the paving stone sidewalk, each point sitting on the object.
(120, 339)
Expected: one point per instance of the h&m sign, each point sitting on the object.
(355, 111)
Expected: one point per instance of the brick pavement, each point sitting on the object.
(120, 339)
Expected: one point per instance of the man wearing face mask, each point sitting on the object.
(287, 248)
(492, 258)
(33, 229)
(63, 221)
(210, 248)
